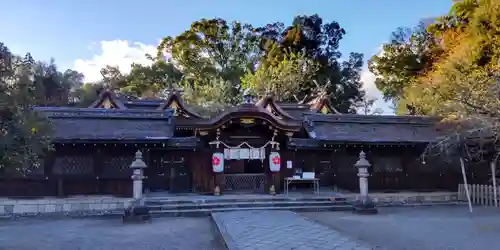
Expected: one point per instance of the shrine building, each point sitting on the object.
(246, 148)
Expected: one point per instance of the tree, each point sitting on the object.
(463, 84)
(212, 97)
(420, 68)
(112, 77)
(55, 88)
(319, 42)
(86, 94)
(24, 135)
(408, 55)
(212, 49)
(366, 107)
(153, 79)
(282, 79)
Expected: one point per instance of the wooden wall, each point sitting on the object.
(201, 164)
(75, 170)
(89, 169)
(393, 169)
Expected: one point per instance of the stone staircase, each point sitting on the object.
(204, 207)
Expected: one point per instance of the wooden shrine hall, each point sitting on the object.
(246, 148)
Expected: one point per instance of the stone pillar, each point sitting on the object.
(138, 167)
(363, 204)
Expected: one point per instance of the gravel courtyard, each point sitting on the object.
(107, 234)
(426, 228)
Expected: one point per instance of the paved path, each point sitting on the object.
(107, 234)
(279, 230)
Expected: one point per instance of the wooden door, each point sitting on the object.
(157, 172)
(180, 174)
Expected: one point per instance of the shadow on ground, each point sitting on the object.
(425, 228)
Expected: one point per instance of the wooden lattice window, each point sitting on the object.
(387, 164)
(117, 166)
(74, 165)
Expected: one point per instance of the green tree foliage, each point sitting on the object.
(407, 56)
(283, 78)
(319, 42)
(86, 94)
(151, 80)
(24, 83)
(213, 50)
(24, 136)
(448, 68)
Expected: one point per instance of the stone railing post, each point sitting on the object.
(363, 204)
(138, 166)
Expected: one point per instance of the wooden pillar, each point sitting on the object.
(50, 182)
(267, 171)
(60, 187)
(98, 170)
(207, 172)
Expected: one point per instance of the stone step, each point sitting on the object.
(165, 201)
(208, 211)
(306, 208)
(187, 206)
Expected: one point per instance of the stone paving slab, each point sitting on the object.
(279, 230)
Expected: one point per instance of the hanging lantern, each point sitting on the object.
(218, 162)
(274, 161)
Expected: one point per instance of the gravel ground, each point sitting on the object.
(429, 228)
(108, 234)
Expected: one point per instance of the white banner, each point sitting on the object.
(255, 153)
(244, 153)
(234, 154)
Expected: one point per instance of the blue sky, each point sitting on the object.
(87, 34)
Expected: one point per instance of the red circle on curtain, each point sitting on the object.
(276, 160)
(215, 161)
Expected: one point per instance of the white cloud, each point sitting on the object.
(119, 53)
(368, 79)
(372, 92)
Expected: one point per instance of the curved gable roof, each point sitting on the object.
(268, 103)
(249, 111)
(108, 99)
(175, 102)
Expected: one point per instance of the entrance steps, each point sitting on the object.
(204, 207)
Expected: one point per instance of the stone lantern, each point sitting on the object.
(138, 166)
(363, 204)
(137, 211)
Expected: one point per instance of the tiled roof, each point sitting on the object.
(374, 129)
(108, 124)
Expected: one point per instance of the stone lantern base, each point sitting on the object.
(136, 213)
(364, 205)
